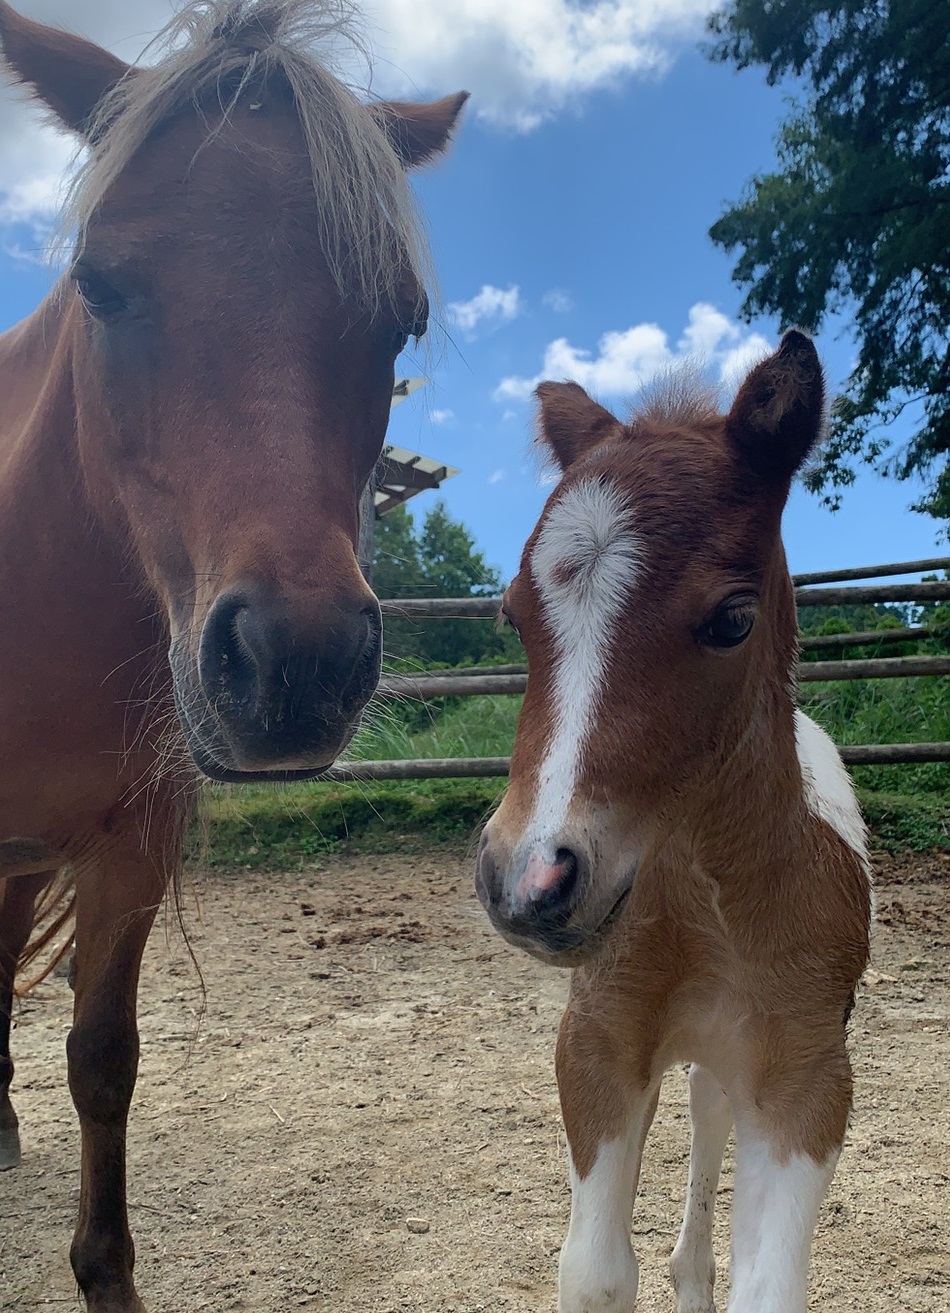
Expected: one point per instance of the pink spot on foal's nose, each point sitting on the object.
(539, 877)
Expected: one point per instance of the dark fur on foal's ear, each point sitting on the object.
(69, 74)
(777, 415)
(418, 132)
(571, 423)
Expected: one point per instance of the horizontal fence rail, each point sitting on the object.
(873, 571)
(487, 608)
(868, 638)
(450, 768)
(455, 686)
(810, 590)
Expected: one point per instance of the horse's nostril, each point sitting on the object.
(570, 866)
(553, 888)
(227, 664)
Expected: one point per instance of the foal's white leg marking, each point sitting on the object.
(598, 1269)
(585, 563)
(692, 1266)
(774, 1215)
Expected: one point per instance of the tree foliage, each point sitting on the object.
(856, 219)
(437, 560)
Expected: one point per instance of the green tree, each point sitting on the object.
(438, 560)
(856, 219)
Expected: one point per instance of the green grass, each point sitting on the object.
(281, 827)
(285, 827)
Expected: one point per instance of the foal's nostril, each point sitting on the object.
(557, 893)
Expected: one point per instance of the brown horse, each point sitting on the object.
(679, 833)
(186, 425)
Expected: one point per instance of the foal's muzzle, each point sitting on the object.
(545, 902)
(272, 696)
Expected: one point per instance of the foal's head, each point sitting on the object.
(658, 617)
(248, 268)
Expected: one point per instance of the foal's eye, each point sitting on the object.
(98, 296)
(730, 624)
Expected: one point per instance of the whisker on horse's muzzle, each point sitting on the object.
(271, 693)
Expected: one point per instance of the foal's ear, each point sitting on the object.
(69, 74)
(571, 423)
(417, 132)
(777, 415)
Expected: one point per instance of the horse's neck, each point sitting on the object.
(61, 571)
(750, 815)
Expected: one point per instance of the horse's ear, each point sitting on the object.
(417, 132)
(777, 416)
(69, 74)
(571, 423)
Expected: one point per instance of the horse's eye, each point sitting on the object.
(505, 621)
(417, 328)
(730, 624)
(98, 296)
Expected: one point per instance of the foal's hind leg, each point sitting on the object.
(692, 1266)
(607, 1115)
(116, 902)
(18, 897)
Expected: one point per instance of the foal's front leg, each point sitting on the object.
(607, 1116)
(788, 1139)
(117, 896)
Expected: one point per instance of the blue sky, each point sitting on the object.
(569, 227)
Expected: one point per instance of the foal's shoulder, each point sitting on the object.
(829, 793)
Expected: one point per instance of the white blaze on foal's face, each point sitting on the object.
(585, 564)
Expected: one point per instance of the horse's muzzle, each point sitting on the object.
(272, 697)
(549, 905)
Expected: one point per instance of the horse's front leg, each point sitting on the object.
(18, 897)
(117, 896)
(788, 1137)
(607, 1114)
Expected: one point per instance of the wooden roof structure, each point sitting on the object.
(402, 474)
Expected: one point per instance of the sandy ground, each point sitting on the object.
(371, 1054)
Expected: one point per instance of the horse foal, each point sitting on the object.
(679, 834)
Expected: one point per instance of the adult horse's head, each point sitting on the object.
(248, 268)
(658, 617)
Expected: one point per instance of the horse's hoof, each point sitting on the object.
(9, 1148)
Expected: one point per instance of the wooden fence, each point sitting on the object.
(810, 590)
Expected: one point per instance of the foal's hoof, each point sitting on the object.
(9, 1148)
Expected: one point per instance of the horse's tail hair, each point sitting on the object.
(54, 921)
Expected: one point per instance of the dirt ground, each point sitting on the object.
(366, 1120)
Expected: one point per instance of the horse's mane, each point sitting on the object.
(219, 49)
(681, 396)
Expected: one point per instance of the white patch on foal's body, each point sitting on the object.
(598, 1270)
(829, 793)
(585, 563)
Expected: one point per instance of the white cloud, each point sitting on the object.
(628, 359)
(441, 416)
(557, 300)
(34, 156)
(523, 62)
(491, 303)
(496, 477)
